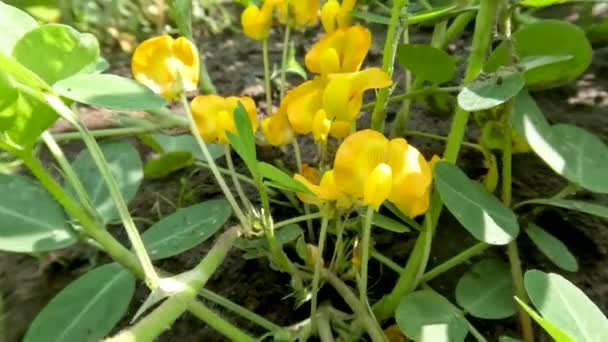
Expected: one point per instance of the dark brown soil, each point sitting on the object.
(235, 65)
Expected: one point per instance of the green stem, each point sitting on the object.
(227, 172)
(235, 180)
(243, 312)
(476, 334)
(484, 25)
(317, 272)
(298, 219)
(267, 87)
(112, 132)
(371, 325)
(415, 93)
(457, 26)
(387, 261)
(298, 155)
(284, 61)
(323, 326)
(454, 261)
(442, 138)
(365, 246)
(104, 169)
(218, 323)
(159, 320)
(218, 177)
(388, 61)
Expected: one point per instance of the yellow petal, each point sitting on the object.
(329, 61)
(256, 23)
(343, 18)
(166, 66)
(299, 13)
(315, 189)
(329, 11)
(370, 78)
(340, 129)
(412, 175)
(277, 131)
(336, 95)
(302, 103)
(378, 186)
(204, 110)
(249, 105)
(356, 158)
(329, 190)
(358, 40)
(414, 206)
(350, 44)
(321, 127)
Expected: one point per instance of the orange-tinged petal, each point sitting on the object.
(412, 175)
(315, 189)
(329, 11)
(166, 66)
(350, 44)
(356, 158)
(311, 173)
(377, 186)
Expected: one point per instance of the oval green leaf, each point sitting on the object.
(87, 309)
(482, 214)
(426, 62)
(486, 290)
(572, 152)
(185, 143)
(388, 223)
(584, 207)
(14, 23)
(491, 91)
(185, 229)
(126, 167)
(532, 40)
(552, 248)
(109, 91)
(55, 51)
(21, 73)
(30, 218)
(167, 163)
(427, 316)
(566, 306)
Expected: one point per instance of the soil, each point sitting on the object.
(235, 65)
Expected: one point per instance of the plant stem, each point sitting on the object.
(267, 87)
(323, 326)
(235, 180)
(442, 138)
(298, 219)
(317, 273)
(284, 61)
(104, 169)
(111, 132)
(371, 325)
(218, 323)
(484, 25)
(457, 27)
(386, 261)
(218, 177)
(365, 246)
(298, 155)
(388, 61)
(239, 176)
(414, 93)
(478, 336)
(244, 312)
(454, 261)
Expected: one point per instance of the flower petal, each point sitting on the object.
(204, 110)
(329, 11)
(377, 186)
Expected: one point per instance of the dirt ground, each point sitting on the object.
(235, 65)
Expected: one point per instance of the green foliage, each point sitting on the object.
(87, 309)
(280, 179)
(427, 63)
(426, 316)
(126, 167)
(243, 142)
(167, 163)
(388, 223)
(27, 228)
(14, 23)
(477, 210)
(109, 91)
(552, 248)
(486, 290)
(490, 92)
(185, 229)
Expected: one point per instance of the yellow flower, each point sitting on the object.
(372, 168)
(298, 13)
(167, 66)
(277, 130)
(325, 192)
(342, 50)
(214, 115)
(256, 22)
(335, 15)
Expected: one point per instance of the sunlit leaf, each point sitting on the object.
(490, 92)
(14, 23)
(553, 330)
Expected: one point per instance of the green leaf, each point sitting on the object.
(281, 178)
(506, 338)
(547, 38)
(533, 62)
(166, 164)
(388, 223)
(423, 17)
(410, 221)
(572, 152)
(257, 248)
(21, 74)
(181, 11)
(566, 306)
(185, 229)
(14, 23)
(486, 290)
(490, 92)
(10, 95)
(109, 91)
(185, 143)
(540, 3)
(584, 207)
(553, 330)
(427, 316)
(30, 218)
(552, 248)
(243, 141)
(87, 309)
(126, 167)
(55, 51)
(482, 214)
(426, 62)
